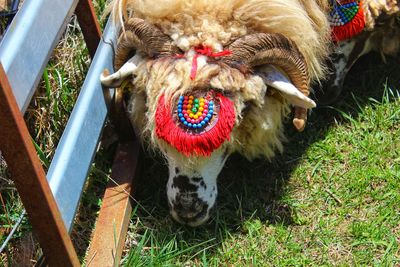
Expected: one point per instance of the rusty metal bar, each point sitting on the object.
(30, 180)
(113, 220)
(90, 26)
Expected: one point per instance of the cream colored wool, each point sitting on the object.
(374, 8)
(4, 4)
(382, 23)
(218, 22)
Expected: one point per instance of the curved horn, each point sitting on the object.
(143, 36)
(275, 49)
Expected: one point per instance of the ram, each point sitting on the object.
(209, 78)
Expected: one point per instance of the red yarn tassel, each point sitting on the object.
(206, 51)
(356, 26)
(191, 143)
(193, 70)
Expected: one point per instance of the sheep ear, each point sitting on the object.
(277, 79)
(115, 80)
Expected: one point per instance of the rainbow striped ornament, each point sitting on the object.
(195, 113)
(346, 19)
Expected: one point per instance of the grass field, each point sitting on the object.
(332, 198)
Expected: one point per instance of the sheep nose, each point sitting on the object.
(188, 205)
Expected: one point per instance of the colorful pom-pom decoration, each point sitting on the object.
(195, 113)
(346, 19)
(196, 124)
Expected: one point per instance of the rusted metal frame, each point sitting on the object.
(112, 224)
(90, 26)
(30, 180)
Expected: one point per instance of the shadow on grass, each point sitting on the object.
(254, 190)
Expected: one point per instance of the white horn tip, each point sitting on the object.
(108, 80)
(103, 77)
(312, 104)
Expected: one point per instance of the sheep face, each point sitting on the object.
(192, 184)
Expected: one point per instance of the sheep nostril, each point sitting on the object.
(184, 201)
(188, 207)
(198, 206)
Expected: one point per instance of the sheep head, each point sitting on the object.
(237, 83)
